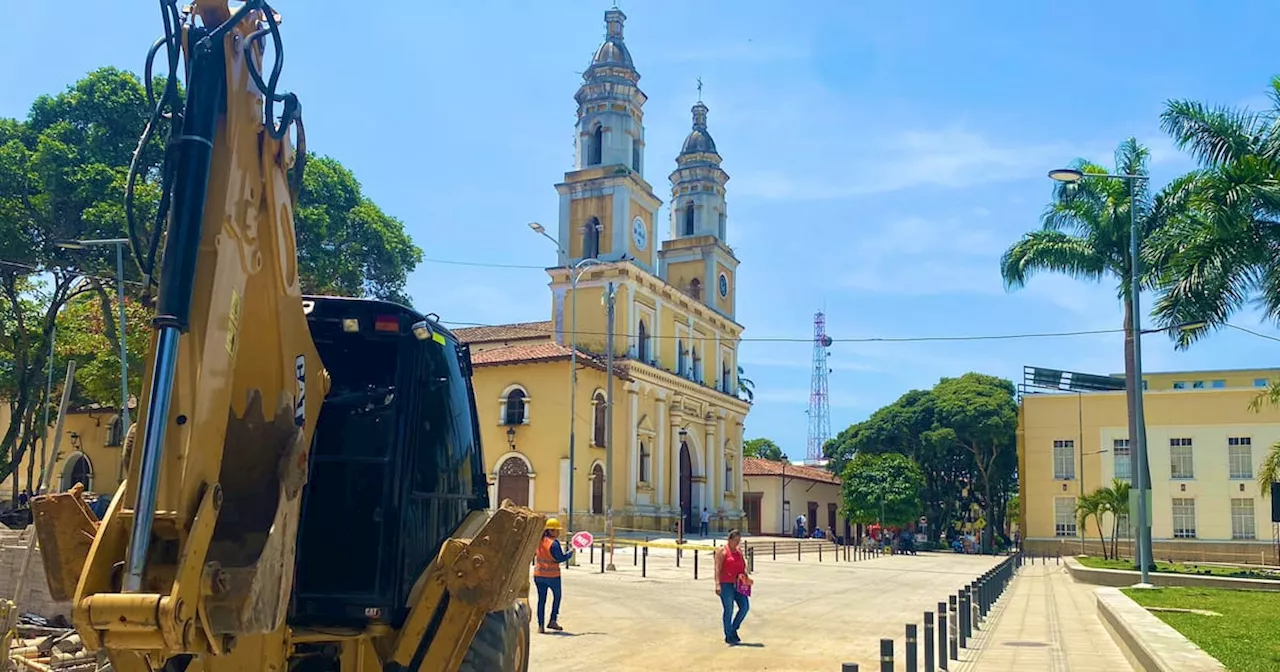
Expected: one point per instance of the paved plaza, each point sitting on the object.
(805, 616)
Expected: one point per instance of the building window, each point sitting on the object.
(1064, 516)
(1243, 525)
(688, 220)
(598, 437)
(1144, 384)
(595, 146)
(695, 288)
(591, 239)
(1123, 531)
(726, 381)
(115, 432)
(1219, 384)
(642, 343)
(728, 472)
(1179, 385)
(680, 368)
(1181, 462)
(1198, 385)
(635, 154)
(644, 462)
(1184, 518)
(1064, 460)
(1123, 463)
(1240, 456)
(722, 227)
(1259, 382)
(513, 410)
(696, 373)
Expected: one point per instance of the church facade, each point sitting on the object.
(675, 447)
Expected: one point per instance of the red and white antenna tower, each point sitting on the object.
(819, 406)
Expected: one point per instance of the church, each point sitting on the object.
(672, 445)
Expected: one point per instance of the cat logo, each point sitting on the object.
(300, 403)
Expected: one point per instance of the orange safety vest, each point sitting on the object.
(544, 565)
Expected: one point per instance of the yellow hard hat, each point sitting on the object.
(554, 524)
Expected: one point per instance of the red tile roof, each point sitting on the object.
(518, 331)
(549, 351)
(754, 466)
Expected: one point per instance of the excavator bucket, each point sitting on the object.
(65, 528)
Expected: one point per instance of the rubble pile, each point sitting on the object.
(42, 648)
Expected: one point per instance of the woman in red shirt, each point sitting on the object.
(732, 585)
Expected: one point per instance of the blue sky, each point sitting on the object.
(881, 157)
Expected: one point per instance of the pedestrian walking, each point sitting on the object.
(546, 573)
(706, 521)
(733, 585)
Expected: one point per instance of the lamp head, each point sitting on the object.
(1066, 175)
(70, 244)
(537, 228)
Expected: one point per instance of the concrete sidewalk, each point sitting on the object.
(1044, 621)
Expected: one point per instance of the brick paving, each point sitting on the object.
(1045, 621)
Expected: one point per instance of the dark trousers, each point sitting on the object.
(544, 583)
(729, 596)
(703, 529)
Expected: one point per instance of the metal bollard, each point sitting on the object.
(954, 630)
(962, 610)
(644, 563)
(886, 655)
(911, 647)
(942, 635)
(819, 552)
(678, 549)
(593, 554)
(751, 559)
(928, 641)
(603, 556)
(798, 548)
(848, 667)
(695, 564)
(775, 550)
(635, 556)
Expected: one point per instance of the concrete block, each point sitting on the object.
(1150, 644)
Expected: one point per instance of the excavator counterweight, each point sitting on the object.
(305, 487)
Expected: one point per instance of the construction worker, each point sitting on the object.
(546, 572)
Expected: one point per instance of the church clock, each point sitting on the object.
(639, 234)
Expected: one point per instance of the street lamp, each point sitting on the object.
(120, 244)
(575, 272)
(1143, 480)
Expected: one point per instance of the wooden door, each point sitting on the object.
(597, 489)
(753, 504)
(686, 486)
(513, 482)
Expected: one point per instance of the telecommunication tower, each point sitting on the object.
(819, 406)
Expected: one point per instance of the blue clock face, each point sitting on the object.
(724, 286)
(639, 234)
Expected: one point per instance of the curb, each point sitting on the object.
(1123, 578)
(1149, 644)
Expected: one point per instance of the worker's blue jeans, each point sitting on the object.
(730, 596)
(544, 583)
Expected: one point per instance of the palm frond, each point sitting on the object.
(1269, 471)
(1214, 136)
(1050, 251)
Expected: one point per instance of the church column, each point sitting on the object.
(725, 485)
(633, 459)
(673, 493)
(660, 452)
(737, 431)
(713, 464)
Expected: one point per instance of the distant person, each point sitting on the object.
(706, 521)
(733, 585)
(546, 573)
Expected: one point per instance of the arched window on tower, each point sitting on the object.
(642, 343)
(679, 357)
(599, 420)
(725, 382)
(591, 238)
(696, 373)
(595, 145)
(514, 411)
(688, 219)
(635, 154)
(695, 289)
(722, 227)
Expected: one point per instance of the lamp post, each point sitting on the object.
(1143, 479)
(575, 272)
(120, 244)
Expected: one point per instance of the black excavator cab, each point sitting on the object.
(396, 463)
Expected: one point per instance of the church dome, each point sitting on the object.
(613, 53)
(699, 139)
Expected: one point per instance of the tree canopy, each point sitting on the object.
(882, 488)
(764, 449)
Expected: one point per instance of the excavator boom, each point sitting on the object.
(194, 564)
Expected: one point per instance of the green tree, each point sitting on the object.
(746, 387)
(1224, 252)
(1116, 501)
(764, 449)
(1093, 505)
(83, 336)
(1085, 234)
(979, 413)
(346, 244)
(884, 488)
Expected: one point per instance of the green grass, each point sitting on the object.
(1245, 638)
(1183, 568)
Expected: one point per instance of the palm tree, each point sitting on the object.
(1269, 472)
(1116, 501)
(746, 387)
(1092, 505)
(1085, 234)
(1225, 253)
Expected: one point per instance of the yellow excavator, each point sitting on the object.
(305, 488)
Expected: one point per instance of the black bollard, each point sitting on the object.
(593, 554)
(775, 550)
(635, 557)
(751, 559)
(603, 556)
(695, 564)
(798, 548)
(644, 563)
(678, 557)
(965, 626)
(819, 552)
(911, 647)
(848, 667)
(942, 636)
(886, 655)
(928, 641)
